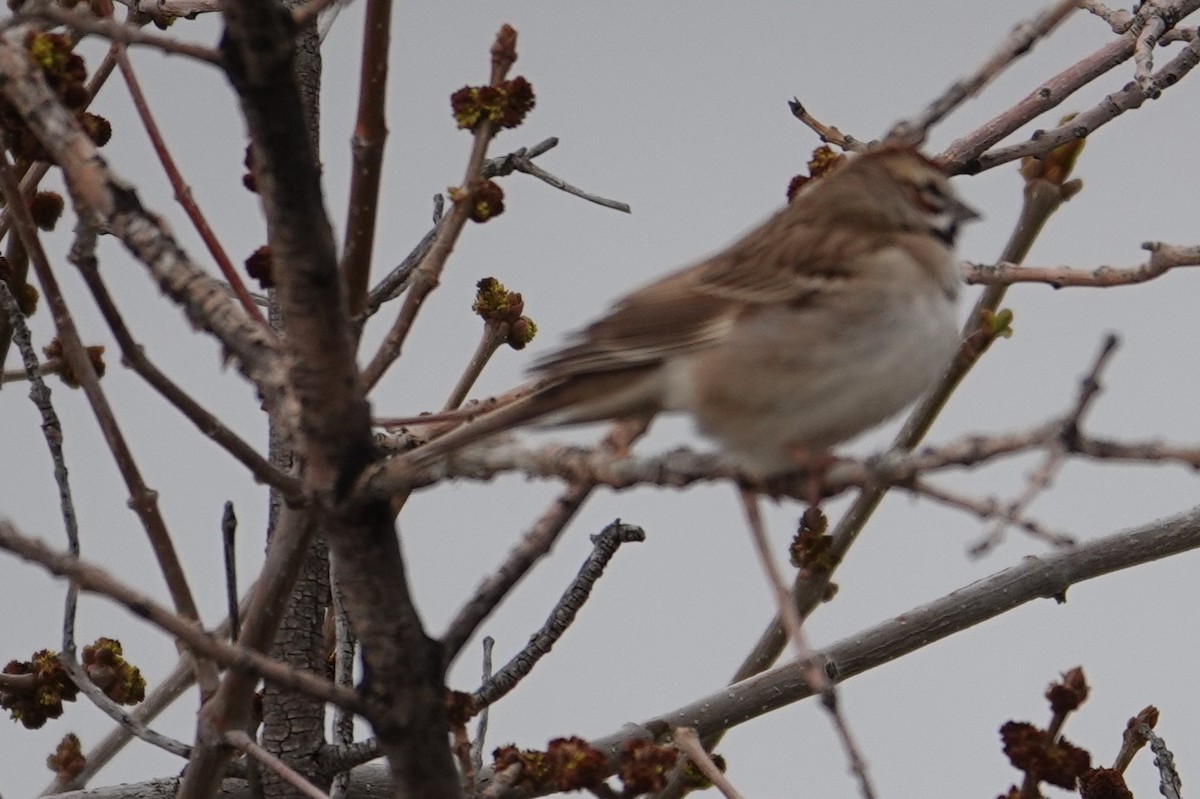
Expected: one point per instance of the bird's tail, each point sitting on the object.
(520, 412)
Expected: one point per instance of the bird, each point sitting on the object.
(820, 323)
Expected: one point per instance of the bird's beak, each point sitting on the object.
(961, 212)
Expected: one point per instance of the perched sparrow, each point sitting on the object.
(820, 323)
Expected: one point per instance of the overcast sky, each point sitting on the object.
(680, 109)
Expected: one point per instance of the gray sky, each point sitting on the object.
(680, 110)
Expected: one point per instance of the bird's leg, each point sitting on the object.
(624, 432)
(814, 464)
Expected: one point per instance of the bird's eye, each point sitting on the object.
(929, 196)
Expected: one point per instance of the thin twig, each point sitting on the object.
(1129, 97)
(134, 356)
(204, 644)
(826, 133)
(1169, 783)
(1143, 51)
(51, 366)
(1018, 43)
(494, 335)
(988, 509)
(681, 467)
(482, 725)
(39, 392)
(534, 545)
(397, 280)
(1163, 258)
(523, 163)
(239, 740)
(366, 146)
(142, 499)
(79, 676)
(963, 154)
(33, 176)
(687, 742)
(228, 540)
(427, 275)
(605, 545)
(1133, 741)
(1056, 454)
(1119, 20)
(814, 674)
(183, 192)
(125, 34)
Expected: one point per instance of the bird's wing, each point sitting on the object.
(694, 308)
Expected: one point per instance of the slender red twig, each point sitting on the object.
(183, 192)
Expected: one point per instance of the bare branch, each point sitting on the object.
(826, 133)
(203, 643)
(239, 740)
(370, 134)
(568, 606)
(134, 356)
(1034, 578)
(143, 501)
(426, 276)
(522, 163)
(88, 23)
(183, 192)
(534, 545)
(1119, 20)
(1169, 783)
(1130, 97)
(100, 191)
(813, 673)
(1018, 43)
(1056, 454)
(963, 154)
(1163, 258)
(688, 742)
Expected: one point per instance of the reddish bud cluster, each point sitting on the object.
(65, 73)
(42, 697)
(259, 266)
(574, 764)
(505, 104)
(26, 293)
(120, 680)
(1069, 694)
(248, 178)
(68, 761)
(497, 305)
(1103, 783)
(646, 765)
(534, 770)
(810, 547)
(824, 160)
(568, 764)
(1047, 757)
(46, 207)
(460, 707)
(1030, 749)
(54, 352)
(487, 202)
